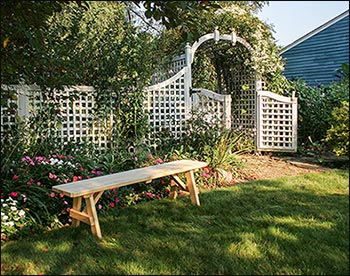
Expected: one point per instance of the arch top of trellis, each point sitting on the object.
(216, 36)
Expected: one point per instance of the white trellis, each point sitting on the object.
(170, 100)
(277, 122)
(78, 122)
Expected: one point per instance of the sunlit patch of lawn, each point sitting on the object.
(290, 225)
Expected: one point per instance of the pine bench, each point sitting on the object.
(92, 189)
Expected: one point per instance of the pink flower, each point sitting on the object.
(70, 156)
(38, 183)
(68, 210)
(52, 176)
(111, 204)
(98, 172)
(99, 206)
(159, 160)
(117, 200)
(15, 176)
(52, 194)
(162, 182)
(75, 178)
(81, 169)
(206, 175)
(61, 195)
(14, 194)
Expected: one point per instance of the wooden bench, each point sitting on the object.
(92, 189)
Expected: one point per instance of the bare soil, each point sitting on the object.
(267, 166)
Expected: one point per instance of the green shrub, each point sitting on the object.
(314, 109)
(338, 135)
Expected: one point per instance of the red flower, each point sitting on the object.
(14, 194)
(111, 204)
(15, 176)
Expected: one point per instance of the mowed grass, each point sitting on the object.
(289, 225)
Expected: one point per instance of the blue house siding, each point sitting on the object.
(317, 58)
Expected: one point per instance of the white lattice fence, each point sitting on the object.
(277, 122)
(243, 91)
(166, 104)
(173, 67)
(78, 120)
(215, 108)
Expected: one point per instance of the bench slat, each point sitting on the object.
(102, 183)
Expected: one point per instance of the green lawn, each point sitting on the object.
(290, 225)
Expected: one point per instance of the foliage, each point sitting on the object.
(181, 15)
(338, 135)
(315, 105)
(73, 46)
(263, 58)
(12, 219)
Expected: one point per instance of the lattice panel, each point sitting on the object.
(215, 109)
(8, 111)
(171, 69)
(243, 91)
(166, 106)
(78, 121)
(277, 123)
(211, 110)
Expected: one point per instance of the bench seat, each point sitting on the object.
(92, 189)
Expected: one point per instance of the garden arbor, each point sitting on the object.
(239, 102)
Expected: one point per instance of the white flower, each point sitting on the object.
(4, 217)
(21, 213)
(13, 208)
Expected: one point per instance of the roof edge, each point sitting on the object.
(316, 31)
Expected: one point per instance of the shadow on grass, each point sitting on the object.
(262, 227)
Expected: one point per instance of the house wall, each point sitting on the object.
(317, 58)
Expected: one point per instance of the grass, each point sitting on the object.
(289, 225)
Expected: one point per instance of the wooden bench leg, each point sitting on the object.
(91, 211)
(191, 184)
(173, 189)
(76, 207)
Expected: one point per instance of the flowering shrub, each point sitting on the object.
(34, 178)
(12, 218)
(29, 185)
